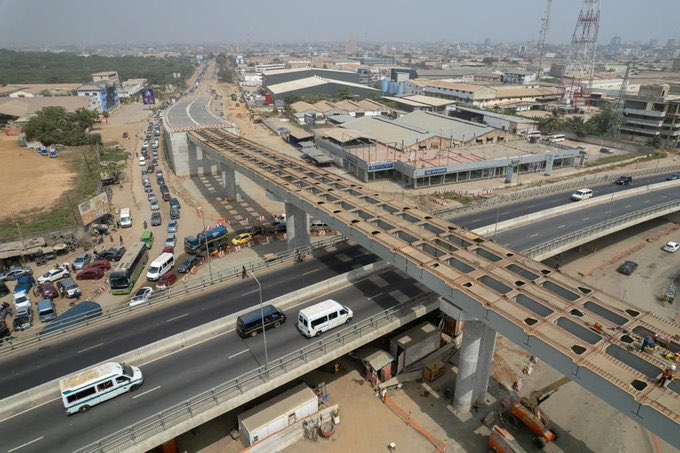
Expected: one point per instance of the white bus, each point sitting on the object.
(81, 391)
(160, 266)
(318, 318)
(556, 138)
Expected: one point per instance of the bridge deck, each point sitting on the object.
(588, 335)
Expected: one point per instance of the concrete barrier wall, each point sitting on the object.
(574, 206)
(49, 391)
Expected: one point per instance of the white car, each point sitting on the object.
(671, 247)
(582, 194)
(53, 275)
(141, 296)
(171, 240)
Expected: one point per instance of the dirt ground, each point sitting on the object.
(20, 169)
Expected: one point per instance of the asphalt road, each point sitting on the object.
(479, 219)
(175, 378)
(26, 370)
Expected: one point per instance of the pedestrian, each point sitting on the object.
(121, 239)
(666, 376)
(111, 237)
(244, 273)
(145, 224)
(647, 342)
(118, 224)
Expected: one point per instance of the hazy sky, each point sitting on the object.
(60, 22)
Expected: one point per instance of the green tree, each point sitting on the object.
(53, 125)
(604, 121)
(552, 122)
(577, 125)
(345, 93)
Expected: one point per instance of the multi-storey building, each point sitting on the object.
(653, 114)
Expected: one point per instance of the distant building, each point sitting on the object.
(131, 87)
(482, 95)
(518, 77)
(419, 102)
(274, 77)
(44, 89)
(377, 61)
(316, 86)
(347, 109)
(106, 76)
(263, 67)
(653, 114)
(19, 110)
(676, 65)
(510, 123)
(104, 95)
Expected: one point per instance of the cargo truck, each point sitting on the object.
(194, 244)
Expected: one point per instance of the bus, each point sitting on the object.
(82, 390)
(556, 138)
(125, 275)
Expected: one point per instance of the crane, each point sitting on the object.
(542, 37)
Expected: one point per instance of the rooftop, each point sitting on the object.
(274, 408)
(446, 126)
(294, 70)
(310, 82)
(22, 107)
(496, 115)
(418, 100)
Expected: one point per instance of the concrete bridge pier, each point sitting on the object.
(474, 365)
(228, 176)
(297, 227)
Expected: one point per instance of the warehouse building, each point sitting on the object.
(510, 123)
(314, 86)
(415, 102)
(290, 75)
(422, 149)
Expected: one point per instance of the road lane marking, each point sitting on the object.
(533, 235)
(91, 347)
(238, 353)
(250, 292)
(310, 272)
(24, 445)
(177, 317)
(627, 206)
(586, 218)
(646, 201)
(148, 391)
(561, 226)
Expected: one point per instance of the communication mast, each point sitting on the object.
(583, 50)
(541, 38)
(616, 126)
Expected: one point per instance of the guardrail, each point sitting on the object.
(552, 188)
(138, 432)
(592, 229)
(175, 292)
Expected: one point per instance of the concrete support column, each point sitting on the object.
(549, 159)
(484, 363)
(508, 174)
(228, 175)
(297, 227)
(467, 367)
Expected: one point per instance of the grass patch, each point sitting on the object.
(83, 161)
(610, 160)
(114, 155)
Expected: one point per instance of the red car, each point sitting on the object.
(99, 264)
(166, 281)
(93, 273)
(46, 291)
(169, 250)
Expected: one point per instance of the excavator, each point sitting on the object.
(527, 411)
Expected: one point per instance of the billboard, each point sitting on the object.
(94, 208)
(148, 97)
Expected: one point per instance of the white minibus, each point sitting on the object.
(125, 218)
(318, 318)
(160, 266)
(82, 390)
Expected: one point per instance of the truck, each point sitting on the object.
(194, 244)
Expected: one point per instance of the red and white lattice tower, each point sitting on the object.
(545, 25)
(583, 50)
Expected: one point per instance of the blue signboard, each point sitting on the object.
(310, 119)
(435, 171)
(383, 166)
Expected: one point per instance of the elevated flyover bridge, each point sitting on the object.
(577, 329)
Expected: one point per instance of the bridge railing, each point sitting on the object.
(508, 198)
(177, 291)
(590, 230)
(144, 429)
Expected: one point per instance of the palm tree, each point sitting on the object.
(578, 126)
(551, 123)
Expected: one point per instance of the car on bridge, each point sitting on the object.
(627, 268)
(582, 194)
(673, 177)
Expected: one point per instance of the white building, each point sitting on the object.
(131, 87)
(518, 77)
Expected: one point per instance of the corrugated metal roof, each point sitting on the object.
(517, 119)
(276, 407)
(445, 126)
(21, 107)
(310, 82)
(388, 131)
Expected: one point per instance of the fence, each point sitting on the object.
(544, 190)
(138, 432)
(589, 231)
(175, 292)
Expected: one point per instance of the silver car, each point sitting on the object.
(154, 206)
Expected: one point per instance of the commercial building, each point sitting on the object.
(19, 110)
(510, 123)
(518, 77)
(653, 114)
(316, 86)
(106, 76)
(419, 102)
(131, 87)
(322, 110)
(423, 149)
(483, 95)
(103, 93)
(289, 75)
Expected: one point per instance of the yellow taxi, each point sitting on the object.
(242, 239)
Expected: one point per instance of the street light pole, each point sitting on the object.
(609, 208)
(264, 330)
(207, 250)
(498, 215)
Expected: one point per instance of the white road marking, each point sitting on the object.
(586, 218)
(238, 354)
(626, 206)
(27, 443)
(533, 235)
(646, 201)
(177, 317)
(310, 272)
(144, 393)
(250, 292)
(561, 226)
(91, 347)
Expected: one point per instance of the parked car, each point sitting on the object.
(317, 225)
(174, 213)
(23, 318)
(82, 260)
(279, 219)
(242, 239)
(165, 196)
(156, 218)
(99, 264)
(173, 226)
(53, 275)
(23, 287)
(46, 310)
(166, 281)
(174, 203)
(68, 288)
(14, 273)
(188, 264)
(627, 268)
(141, 296)
(115, 253)
(168, 250)
(155, 206)
(149, 169)
(671, 247)
(152, 197)
(46, 291)
(623, 180)
(148, 188)
(279, 228)
(254, 230)
(92, 273)
(171, 240)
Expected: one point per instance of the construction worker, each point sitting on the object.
(648, 342)
(666, 376)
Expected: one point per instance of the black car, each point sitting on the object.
(254, 230)
(174, 213)
(279, 228)
(149, 169)
(623, 180)
(189, 263)
(113, 254)
(156, 219)
(627, 267)
(673, 177)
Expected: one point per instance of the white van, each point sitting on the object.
(142, 161)
(160, 266)
(125, 218)
(582, 194)
(314, 320)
